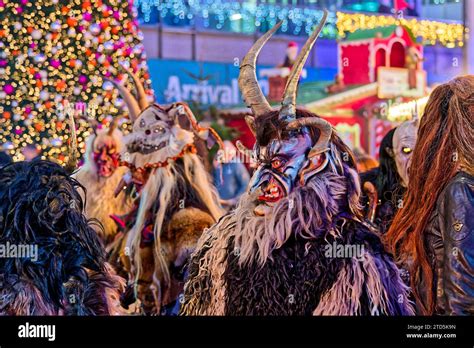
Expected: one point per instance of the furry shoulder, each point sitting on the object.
(190, 218)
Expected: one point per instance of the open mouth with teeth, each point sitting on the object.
(106, 170)
(145, 148)
(273, 192)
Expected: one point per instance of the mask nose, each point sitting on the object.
(262, 177)
(103, 154)
(265, 177)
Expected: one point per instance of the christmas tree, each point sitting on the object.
(56, 56)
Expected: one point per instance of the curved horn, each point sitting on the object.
(243, 149)
(324, 127)
(288, 109)
(248, 83)
(71, 164)
(132, 104)
(112, 126)
(142, 96)
(251, 123)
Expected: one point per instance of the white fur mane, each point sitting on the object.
(159, 188)
(100, 200)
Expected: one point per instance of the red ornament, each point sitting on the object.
(71, 21)
(104, 24)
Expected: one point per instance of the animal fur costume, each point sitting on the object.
(100, 175)
(41, 206)
(385, 185)
(176, 200)
(279, 252)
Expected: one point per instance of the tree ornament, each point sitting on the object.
(36, 34)
(55, 26)
(95, 29)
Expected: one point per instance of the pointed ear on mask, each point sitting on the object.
(183, 121)
(186, 120)
(312, 166)
(211, 137)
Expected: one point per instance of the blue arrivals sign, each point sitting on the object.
(208, 83)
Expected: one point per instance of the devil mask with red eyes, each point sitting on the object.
(106, 156)
(275, 254)
(100, 175)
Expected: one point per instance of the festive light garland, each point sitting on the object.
(247, 17)
(431, 32)
(53, 57)
(399, 112)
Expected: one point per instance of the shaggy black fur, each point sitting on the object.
(290, 284)
(387, 182)
(294, 279)
(40, 205)
(269, 127)
(304, 275)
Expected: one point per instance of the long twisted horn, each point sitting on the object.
(142, 97)
(288, 109)
(324, 127)
(132, 104)
(112, 126)
(71, 164)
(248, 83)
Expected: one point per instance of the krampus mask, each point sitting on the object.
(292, 146)
(100, 175)
(159, 134)
(404, 140)
(105, 146)
(273, 255)
(175, 198)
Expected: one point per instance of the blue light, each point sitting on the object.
(263, 15)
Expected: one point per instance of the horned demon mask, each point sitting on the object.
(104, 148)
(292, 146)
(160, 133)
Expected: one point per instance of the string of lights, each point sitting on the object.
(248, 16)
(430, 32)
(245, 16)
(54, 56)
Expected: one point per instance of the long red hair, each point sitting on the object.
(444, 145)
